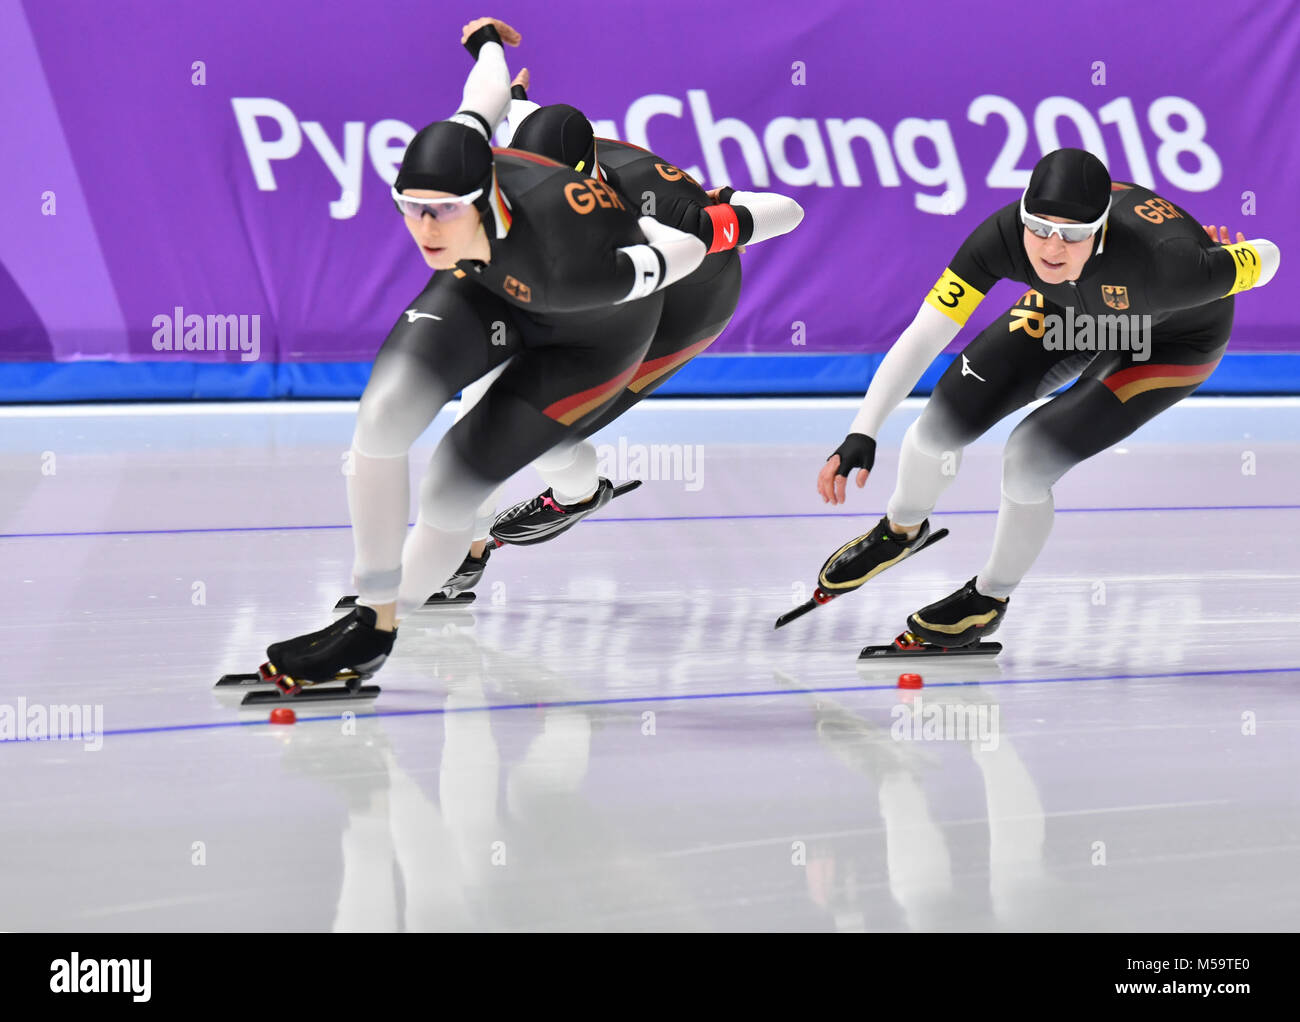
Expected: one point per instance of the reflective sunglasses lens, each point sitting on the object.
(444, 211)
(440, 211)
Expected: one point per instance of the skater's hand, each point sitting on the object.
(833, 487)
(522, 78)
(858, 451)
(508, 35)
(1222, 239)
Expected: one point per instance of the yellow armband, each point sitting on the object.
(1248, 264)
(954, 297)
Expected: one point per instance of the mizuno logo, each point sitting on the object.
(412, 316)
(966, 370)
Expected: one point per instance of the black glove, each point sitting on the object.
(857, 451)
(486, 34)
(685, 215)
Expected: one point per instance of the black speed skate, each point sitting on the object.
(350, 650)
(952, 626)
(860, 560)
(543, 517)
(468, 575)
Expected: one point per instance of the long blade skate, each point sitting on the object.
(266, 676)
(315, 694)
(908, 645)
(240, 680)
(346, 686)
(820, 596)
(438, 599)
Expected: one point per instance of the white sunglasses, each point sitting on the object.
(440, 209)
(1041, 228)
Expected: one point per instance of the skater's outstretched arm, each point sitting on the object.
(486, 95)
(588, 271)
(734, 219)
(984, 258)
(635, 271)
(927, 335)
(1187, 272)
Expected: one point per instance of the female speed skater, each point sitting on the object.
(696, 309)
(545, 270)
(1088, 248)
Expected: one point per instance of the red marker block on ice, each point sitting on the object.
(909, 681)
(284, 715)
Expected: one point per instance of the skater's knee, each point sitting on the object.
(451, 493)
(940, 431)
(448, 505)
(390, 421)
(1031, 463)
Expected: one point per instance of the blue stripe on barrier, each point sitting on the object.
(28, 382)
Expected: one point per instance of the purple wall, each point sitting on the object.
(157, 203)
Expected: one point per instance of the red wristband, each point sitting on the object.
(726, 227)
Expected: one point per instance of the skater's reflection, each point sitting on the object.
(402, 866)
(554, 859)
(918, 858)
(457, 862)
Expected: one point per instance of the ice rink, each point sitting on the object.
(614, 737)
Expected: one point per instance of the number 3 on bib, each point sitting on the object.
(955, 298)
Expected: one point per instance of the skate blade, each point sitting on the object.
(438, 599)
(314, 694)
(266, 675)
(819, 597)
(822, 596)
(893, 650)
(292, 687)
(240, 680)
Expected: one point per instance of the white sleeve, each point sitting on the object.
(519, 109)
(927, 335)
(487, 92)
(668, 256)
(773, 214)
